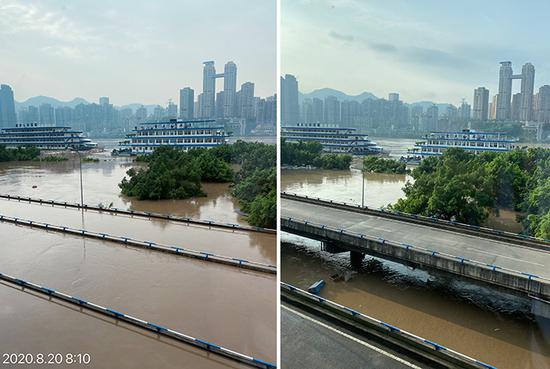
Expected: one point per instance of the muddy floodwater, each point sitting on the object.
(231, 307)
(492, 328)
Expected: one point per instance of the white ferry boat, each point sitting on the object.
(44, 137)
(477, 142)
(339, 140)
(182, 134)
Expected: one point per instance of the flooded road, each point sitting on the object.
(228, 306)
(254, 246)
(457, 315)
(221, 304)
(60, 181)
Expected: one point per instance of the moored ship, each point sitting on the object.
(341, 140)
(45, 137)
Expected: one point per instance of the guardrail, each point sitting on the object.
(404, 252)
(158, 329)
(128, 241)
(517, 238)
(143, 214)
(386, 331)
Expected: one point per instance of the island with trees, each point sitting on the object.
(465, 187)
(311, 153)
(175, 174)
(381, 165)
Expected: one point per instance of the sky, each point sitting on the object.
(133, 51)
(424, 49)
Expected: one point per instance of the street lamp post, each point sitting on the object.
(362, 188)
(81, 186)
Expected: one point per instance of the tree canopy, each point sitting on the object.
(311, 153)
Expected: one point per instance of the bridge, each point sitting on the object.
(511, 262)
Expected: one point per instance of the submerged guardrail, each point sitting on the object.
(200, 255)
(143, 214)
(495, 234)
(524, 282)
(386, 331)
(158, 329)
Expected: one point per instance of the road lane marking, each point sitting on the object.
(503, 256)
(363, 343)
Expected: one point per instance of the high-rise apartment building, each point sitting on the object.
(503, 108)
(481, 104)
(290, 111)
(104, 100)
(187, 103)
(543, 104)
(332, 110)
(229, 89)
(246, 100)
(47, 115)
(208, 101)
(7, 107)
(527, 89)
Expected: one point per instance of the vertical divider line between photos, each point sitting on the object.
(278, 150)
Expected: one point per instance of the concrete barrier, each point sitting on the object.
(513, 238)
(143, 214)
(158, 329)
(384, 331)
(522, 282)
(200, 255)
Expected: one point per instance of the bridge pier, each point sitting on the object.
(540, 308)
(356, 259)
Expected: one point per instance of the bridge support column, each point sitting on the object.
(356, 259)
(540, 308)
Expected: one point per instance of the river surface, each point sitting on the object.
(231, 307)
(493, 327)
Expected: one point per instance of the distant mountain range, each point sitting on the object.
(39, 100)
(322, 93)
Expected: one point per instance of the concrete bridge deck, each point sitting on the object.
(516, 268)
(481, 249)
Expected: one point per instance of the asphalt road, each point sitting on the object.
(310, 343)
(481, 249)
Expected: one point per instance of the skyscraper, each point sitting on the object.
(47, 116)
(104, 100)
(481, 104)
(503, 109)
(527, 89)
(332, 110)
(229, 89)
(208, 101)
(515, 109)
(290, 111)
(171, 110)
(247, 100)
(187, 103)
(543, 113)
(7, 107)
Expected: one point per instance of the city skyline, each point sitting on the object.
(425, 53)
(97, 50)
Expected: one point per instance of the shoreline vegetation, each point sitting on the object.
(29, 153)
(381, 165)
(177, 174)
(303, 154)
(465, 187)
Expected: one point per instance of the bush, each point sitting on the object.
(381, 165)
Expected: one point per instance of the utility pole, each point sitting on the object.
(362, 188)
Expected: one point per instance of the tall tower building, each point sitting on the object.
(543, 113)
(187, 103)
(481, 104)
(247, 100)
(503, 109)
(104, 100)
(290, 111)
(7, 107)
(47, 116)
(515, 107)
(332, 110)
(229, 89)
(208, 100)
(527, 89)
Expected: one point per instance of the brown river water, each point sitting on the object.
(490, 326)
(228, 306)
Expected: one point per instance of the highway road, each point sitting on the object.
(308, 342)
(519, 258)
